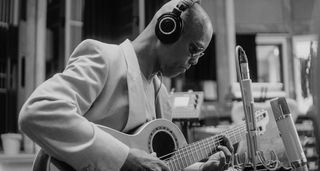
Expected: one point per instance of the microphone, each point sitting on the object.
(243, 61)
(248, 102)
(288, 134)
(244, 76)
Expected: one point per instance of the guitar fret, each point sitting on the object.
(229, 135)
(170, 166)
(239, 135)
(199, 150)
(235, 137)
(211, 146)
(243, 133)
(205, 151)
(189, 158)
(194, 152)
(208, 146)
(175, 165)
(180, 157)
(183, 158)
(240, 132)
(217, 140)
(178, 161)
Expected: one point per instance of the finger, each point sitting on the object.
(218, 160)
(226, 152)
(163, 166)
(224, 164)
(222, 159)
(154, 168)
(217, 157)
(228, 144)
(156, 165)
(154, 154)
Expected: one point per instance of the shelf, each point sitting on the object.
(305, 129)
(19, 158)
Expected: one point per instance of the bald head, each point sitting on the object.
(195, 21)
(197, 24)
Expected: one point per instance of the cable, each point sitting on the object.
(158, 90)
(158, 115)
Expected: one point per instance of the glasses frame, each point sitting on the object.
(195, 52)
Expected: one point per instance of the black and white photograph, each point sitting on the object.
(159, 85)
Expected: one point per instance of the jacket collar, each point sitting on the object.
(137, 113)
(135, 87)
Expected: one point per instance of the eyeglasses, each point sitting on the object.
(195, 53)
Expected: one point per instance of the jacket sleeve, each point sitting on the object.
(53, 114)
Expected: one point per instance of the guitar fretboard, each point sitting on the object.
(202, 149)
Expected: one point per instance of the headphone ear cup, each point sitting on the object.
(168, 28)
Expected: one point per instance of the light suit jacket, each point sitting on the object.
(60, 114)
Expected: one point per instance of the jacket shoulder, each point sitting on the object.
(90, 47)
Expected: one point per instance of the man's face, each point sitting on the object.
(181, 55)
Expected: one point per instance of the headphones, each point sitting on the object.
(169, 25)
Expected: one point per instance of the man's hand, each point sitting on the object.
(220, 160)
(139, 160)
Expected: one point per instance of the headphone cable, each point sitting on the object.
(158, 90)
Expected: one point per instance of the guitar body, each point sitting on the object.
(160, 136)
(165, 139)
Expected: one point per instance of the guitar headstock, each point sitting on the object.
(262, 119)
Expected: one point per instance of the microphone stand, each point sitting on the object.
(248, 107)
(247, 99)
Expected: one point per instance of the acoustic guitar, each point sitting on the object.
(165, 139)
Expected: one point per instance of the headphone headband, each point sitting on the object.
(185, 4)
(169, 25)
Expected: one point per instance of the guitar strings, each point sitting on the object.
(219, 134)
(242, 126)
(216, 140)
(177, 162)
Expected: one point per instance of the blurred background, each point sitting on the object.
(280, 38)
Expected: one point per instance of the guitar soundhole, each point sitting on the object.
(163, 144)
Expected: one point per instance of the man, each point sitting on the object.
(116, 86)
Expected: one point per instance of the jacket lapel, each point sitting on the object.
(137, 114)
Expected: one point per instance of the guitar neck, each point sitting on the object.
(202, 149)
